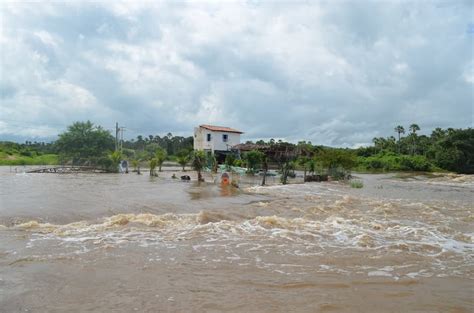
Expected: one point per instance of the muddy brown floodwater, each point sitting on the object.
(129, 243)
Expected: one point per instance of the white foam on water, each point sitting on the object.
(379, 273)
(341, 226)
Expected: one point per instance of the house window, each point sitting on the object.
(208, 137)
(225, 138)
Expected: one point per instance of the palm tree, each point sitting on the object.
(198, 161)
(136, 166)
(400, 130)
(183, 157)
(153, 163)
(377, 143)
(414, 128)
(115, 157)
(183, 160)
(160, 156)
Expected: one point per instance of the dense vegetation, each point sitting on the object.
(447, 149)
(29, 153)
(84, 143)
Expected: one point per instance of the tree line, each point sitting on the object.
(447, 149)
(84, 143)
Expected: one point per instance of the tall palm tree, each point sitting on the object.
(198, 162)
(400, 130)
(414, 128)
(182, 160)
(153, 163)
(377, 143)
(160, 156)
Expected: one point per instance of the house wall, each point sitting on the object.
(216, 143)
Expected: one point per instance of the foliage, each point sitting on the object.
(135, 165)
(45, 159)
(171, 144)
(229, 160)
(198, 162)
(115, 158)
(87, 144)
(212, 162)
(84, 143)
(454, 151)
(334, 158)
(160, 156)
(394, 162)
(151, 150)
(357, 184)
(152, 163)
(288, 167)
(128, 153)
(12, 153)
(448, 149)
(254, 160)
(183, 157)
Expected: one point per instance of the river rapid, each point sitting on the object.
(131, 243)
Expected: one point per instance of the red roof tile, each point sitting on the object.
(221, 129)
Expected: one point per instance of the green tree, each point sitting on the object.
(400, 130)
(183, 158)
(153, 162)
(213, 163)
(333, 158)
(455, 151)
(136, 166)
(229, 160)
(414, 128)
(84, 143)
(160, 156)
(254, 159)
(139, 157)
(337, 161)
(198, 161)
(115, 157)
(151, 149)
(303, 161)
(288, 166)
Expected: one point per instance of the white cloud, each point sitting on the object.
(47, 38)
(328, 72)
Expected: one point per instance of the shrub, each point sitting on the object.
(392, 162)
(357, 184)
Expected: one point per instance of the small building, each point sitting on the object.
(217, 140)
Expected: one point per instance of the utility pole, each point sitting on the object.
(122, 129)
(116, 135)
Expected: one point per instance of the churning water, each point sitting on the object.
(125, 243)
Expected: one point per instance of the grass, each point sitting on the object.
(45, 159)
(357, 184)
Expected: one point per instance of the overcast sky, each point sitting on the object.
(333, 72)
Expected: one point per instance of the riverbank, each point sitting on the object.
(19, 160)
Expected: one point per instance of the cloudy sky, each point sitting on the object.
(334, 72)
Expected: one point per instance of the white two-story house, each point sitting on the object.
(215, 139)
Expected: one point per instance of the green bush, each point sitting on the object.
(393, 162)
(357, 184)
